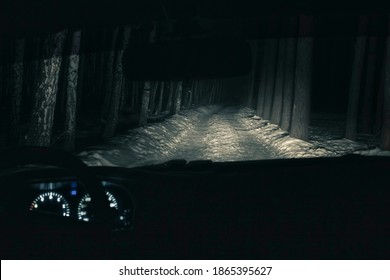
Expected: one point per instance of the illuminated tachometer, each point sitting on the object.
(51, 202)
(84, 211)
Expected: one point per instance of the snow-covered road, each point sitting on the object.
(222, 137)
(214, 133)
(206, 133)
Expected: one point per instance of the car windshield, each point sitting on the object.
(318, 87)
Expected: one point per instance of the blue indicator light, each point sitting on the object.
(73, 184)
(73, 192)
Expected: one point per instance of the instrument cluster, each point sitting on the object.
(69, 199)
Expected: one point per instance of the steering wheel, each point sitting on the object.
(36, 235)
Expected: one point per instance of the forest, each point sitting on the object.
(57, 88)
(68, 89)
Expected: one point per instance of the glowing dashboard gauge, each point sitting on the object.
(51, 202)
(84, 211)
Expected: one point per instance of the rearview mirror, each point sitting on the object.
(188, 59)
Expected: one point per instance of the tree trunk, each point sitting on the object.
(263, 75)
(16, 96)
(369, 87)
(113, 113)
(278, 96)
(71, 93)
(147, 87)
(211, 92)
(385, 136)
(289, 76)
(62, 89)
(169, 107)
(109, 79)
(178, 95)
(190, 93)
(356, 76)
(80, 81)
(143, 116)
(206, 92)
(303, 72)
(185, 94)
(270, 78)
(41, 124)
(81, 72)
(152, 101)
(160, 98)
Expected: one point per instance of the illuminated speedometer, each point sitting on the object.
(84, 211)
(51, 202)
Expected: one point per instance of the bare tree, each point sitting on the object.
(160, 98)
(148, 84)
(41, 124)
(178, 95)
(190, 94)
(289, 73)
(143, 117)
(153, 93)
(278, 93)
(302, 90)
(109, 79)
(71, 93)
(113, 113)
(357, 70)
(170, 97)
(17, 87)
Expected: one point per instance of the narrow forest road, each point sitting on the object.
(222, 137)
(214, 133)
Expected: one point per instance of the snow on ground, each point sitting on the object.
(225, 138)
(326, 137)
(279, 140)
(154, 143)
(220, 133)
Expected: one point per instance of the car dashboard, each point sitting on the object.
(249, 210)
(68, 198)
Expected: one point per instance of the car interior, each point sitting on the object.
(55, 206)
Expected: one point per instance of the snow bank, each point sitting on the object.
(279, 140)
(323, 142)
